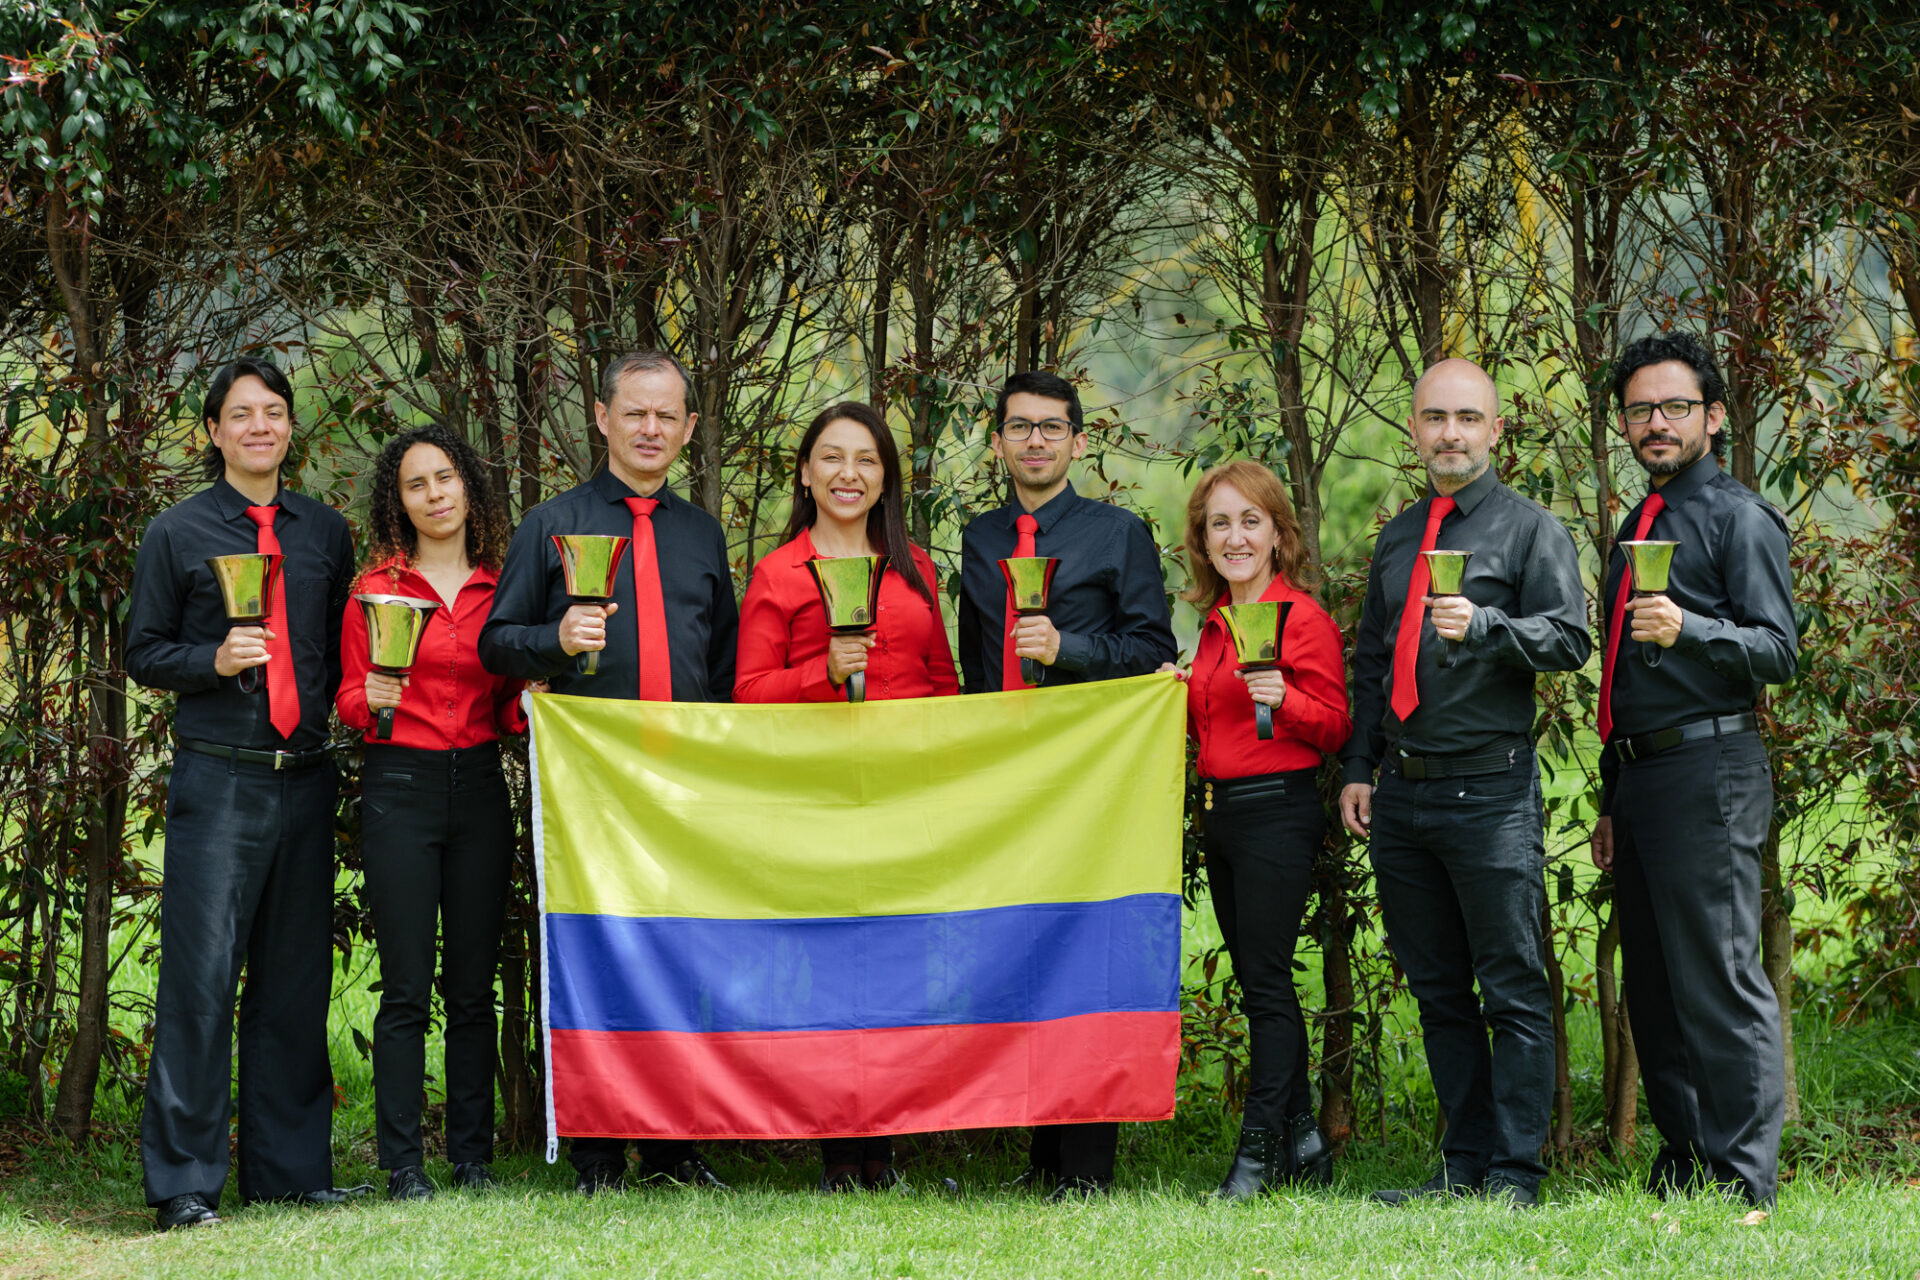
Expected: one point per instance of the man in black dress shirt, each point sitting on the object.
(1686, 793)
(535, 633)
(248, 875)
(1106, 617)
(1455, 825)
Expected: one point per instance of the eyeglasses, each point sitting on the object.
(1050, 429)
(1671, 410)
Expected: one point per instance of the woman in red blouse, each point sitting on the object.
(1264, 821)
(436, 833)
(848, 500)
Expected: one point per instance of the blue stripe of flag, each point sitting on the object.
(1027, 963)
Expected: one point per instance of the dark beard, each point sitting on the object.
(1688, 456)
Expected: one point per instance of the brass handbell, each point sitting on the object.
(1031, 580)
(1651, 564)
(246, 588)
(850, 593)
(1446, 574)
(589, 563)
(395, 627)
(1255, 628)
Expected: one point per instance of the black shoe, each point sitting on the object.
(691, 1172)
(473, 1175)
(189, 1210)
(409, 1182)
(1081, 1189)
(1441, 1186)
(325, 1197)
(1033, 1178)
(1511, 1190)
(889, 1179)
(1310, 1160)
(598, 1177)
(1259, 1164)
(838, 1179)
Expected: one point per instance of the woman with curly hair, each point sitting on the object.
(436, 834)
(1262, 806)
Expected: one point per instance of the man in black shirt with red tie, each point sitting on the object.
(248, 875)
(1106, 618)
(1686, 792)
(1455, 825)
(668, 635)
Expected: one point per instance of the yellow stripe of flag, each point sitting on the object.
(886, 808)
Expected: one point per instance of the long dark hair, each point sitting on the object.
(390, 533)
(887, 520)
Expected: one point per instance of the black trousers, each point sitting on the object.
(1260, 853)
(1461, 868)
(1688, 828)
(437, 841)
(850, 1151)
(248, 880)
(1075, 1150)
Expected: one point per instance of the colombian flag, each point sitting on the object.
(832, 920)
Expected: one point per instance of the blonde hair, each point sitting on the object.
(1264, 490)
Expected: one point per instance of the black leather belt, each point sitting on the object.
(1261, 786)
(247, 755)
(1642, 745)
(1424, 768)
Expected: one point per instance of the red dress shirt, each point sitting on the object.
(1310, 722)
(450, 701)
(783, 635)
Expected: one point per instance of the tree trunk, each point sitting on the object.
(1776, 956)
(1336, 972)
(920, 286)
(1620, 1067)
(883, 252)
(526, 352)
(1562, 1134)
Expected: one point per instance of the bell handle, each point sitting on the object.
(1651, 652)
(1263, 721)
(383, 725)
(252, 679)
(590, 662)
(857, 686)
(1449, 655)
(1030, 672)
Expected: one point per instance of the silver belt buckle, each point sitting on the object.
(279, 761)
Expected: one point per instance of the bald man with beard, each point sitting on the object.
(1442, 781)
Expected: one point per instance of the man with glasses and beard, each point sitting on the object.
(1106, 618)
(1686, 792)
(1443, 712)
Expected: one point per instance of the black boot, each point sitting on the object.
(1259, 1165)
(1310, 1160)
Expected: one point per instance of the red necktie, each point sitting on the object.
(1654, 506)
(1406, 646)
(1010, 677)
(656, 667)
(283, 692)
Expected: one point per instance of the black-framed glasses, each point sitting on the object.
(1049, 428)
(1671, 410)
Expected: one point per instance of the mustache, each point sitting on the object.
(1659, 439)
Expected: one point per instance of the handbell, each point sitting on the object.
(1255, 628)
(1030, 578)
(850, 593)
(246, 589)
(395, 627)
(589, 563)
(1447, 574)
(1650, 563)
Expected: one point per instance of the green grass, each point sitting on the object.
(72, 1217)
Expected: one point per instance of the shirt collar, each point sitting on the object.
(1051, 512)
(614, 489)
(1466, 499)
(1689, 482)
(233, 504)
(397, 566)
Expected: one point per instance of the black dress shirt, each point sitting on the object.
(1529, 615)
(1108, 601)
(176, 619)
(522, 635)
(1730, 578)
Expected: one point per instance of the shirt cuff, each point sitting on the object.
(1478, 625)
(202, 671)
(1692, 642)
(1075, 649)
(1356, 769)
